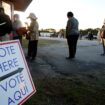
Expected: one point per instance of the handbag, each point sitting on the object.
(21, 31)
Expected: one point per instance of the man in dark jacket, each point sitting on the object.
(72, 34)
(5, 25)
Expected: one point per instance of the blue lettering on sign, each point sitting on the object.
(15, 62)
(10, 101)
(18, 95)
(12, 50)
(7, 51)
(12, 82)
(1, 68)
(2, 52)
(4, 86)
(8, 65)
(20, 78)
(5, 66)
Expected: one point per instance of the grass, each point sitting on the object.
(71, 90)
(44, 42)
(79, 89)
(41, 42)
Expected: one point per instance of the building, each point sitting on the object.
(11, 5)
(46, 33)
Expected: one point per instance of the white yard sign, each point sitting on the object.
(16, 84)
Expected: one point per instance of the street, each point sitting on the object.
(51, 58)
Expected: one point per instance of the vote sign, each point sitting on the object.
(16, 84)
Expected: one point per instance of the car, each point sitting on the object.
(90, 38)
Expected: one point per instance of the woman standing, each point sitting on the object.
(102, 35)
(17, 24)
(34, 36)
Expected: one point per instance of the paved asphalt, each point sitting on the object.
(51, 60)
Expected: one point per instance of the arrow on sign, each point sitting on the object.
(19, 70)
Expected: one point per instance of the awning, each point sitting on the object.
(20, 5)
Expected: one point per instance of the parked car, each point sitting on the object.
(93, 37)
(54, 35)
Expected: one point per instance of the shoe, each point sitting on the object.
(32, 59)
(27, 58)
(69, 58)
(102, 54)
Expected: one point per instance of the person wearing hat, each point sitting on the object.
(34, 36)
(5, 25)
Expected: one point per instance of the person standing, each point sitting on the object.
(34, 36)
(72, 34)
(17, 24)
(102, 36)
(5, 26)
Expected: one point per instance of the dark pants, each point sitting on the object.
(19, 38)
(32, 48)
(72, 44)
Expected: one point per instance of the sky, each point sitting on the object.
(53, 13)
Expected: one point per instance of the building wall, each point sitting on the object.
(8, 7)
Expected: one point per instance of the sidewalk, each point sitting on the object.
(51, 59)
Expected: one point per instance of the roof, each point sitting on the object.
(20, 5)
